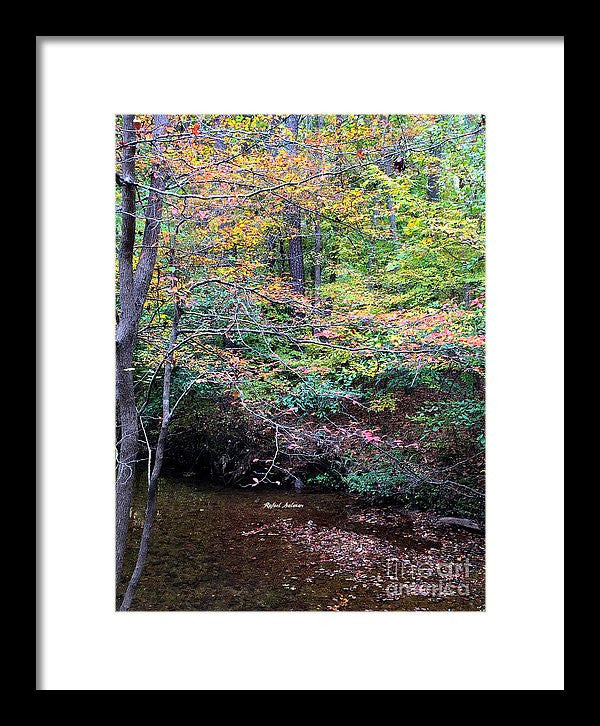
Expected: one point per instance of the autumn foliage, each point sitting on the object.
(366, 372)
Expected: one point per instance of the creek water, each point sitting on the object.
(219, 548)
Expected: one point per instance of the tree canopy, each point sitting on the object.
(302, 297)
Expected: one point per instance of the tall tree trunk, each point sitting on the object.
(389, 170)
(390, 205)
(271, 251)
(433, 191)
(318, 252)
(371, 249)
(156, 469)
(433, 179)
(125, 343)
(133, 289)
(295, 251)
(340, 160)
(282, 256)
(318, 240)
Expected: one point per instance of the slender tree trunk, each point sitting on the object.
(340, 161)
(133, 290)
(390, 202)
(156, 469)
(393, 227)
(371, 249)
(433, 179)
(125, 343)
(318, 239)
(295, 251)
(296, 255)
(318, 252)
(390, 205)
(282, 256)
(271, 251)
(433, 192)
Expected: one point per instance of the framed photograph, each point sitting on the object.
(304, 418)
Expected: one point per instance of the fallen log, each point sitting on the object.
(469, 524)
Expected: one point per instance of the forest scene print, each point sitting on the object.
(300, 362)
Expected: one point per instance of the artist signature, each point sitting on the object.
(282, 505)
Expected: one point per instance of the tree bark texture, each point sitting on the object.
(318, 265)
(156, 468)
(318, 252)
(293, 222)
(133, 289)
(433, 179)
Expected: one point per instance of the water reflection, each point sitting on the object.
(218, 548)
